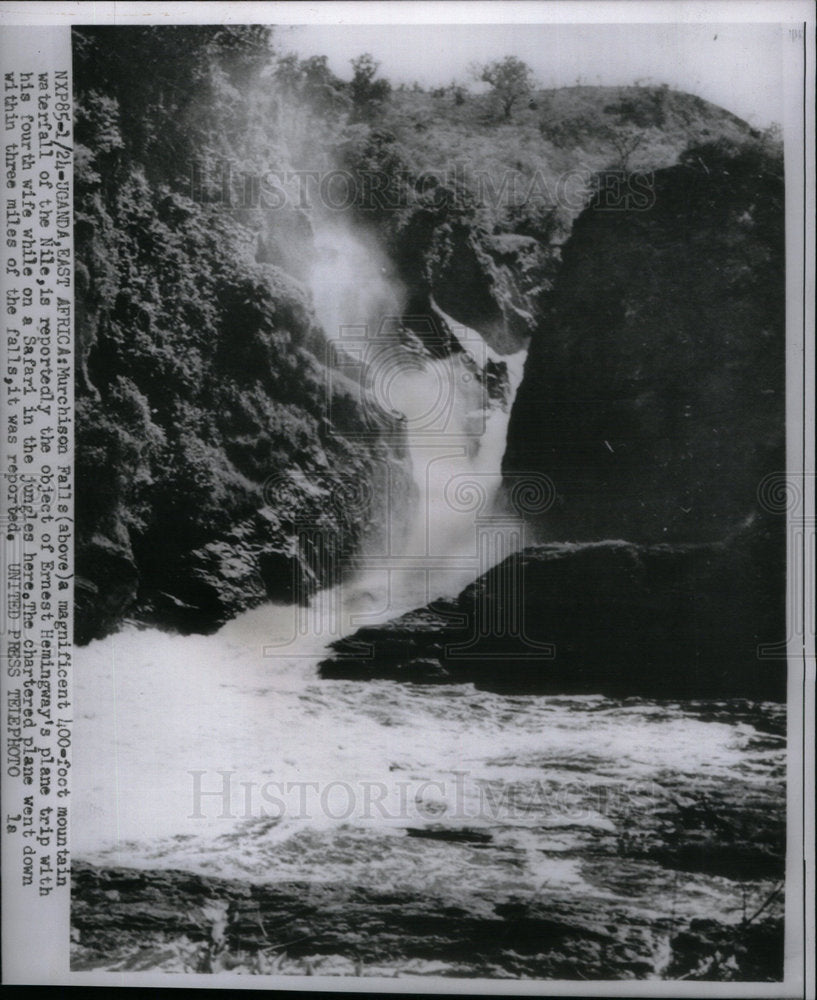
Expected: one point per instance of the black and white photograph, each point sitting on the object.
(436, 506)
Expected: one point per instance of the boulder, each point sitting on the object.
(491, 283)
(613, 617)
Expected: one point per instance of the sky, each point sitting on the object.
(729, 52)
(737, 66)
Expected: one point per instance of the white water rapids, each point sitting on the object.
(226, 754)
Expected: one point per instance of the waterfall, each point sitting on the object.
(455, 426)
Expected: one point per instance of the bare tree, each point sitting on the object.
(625, 140)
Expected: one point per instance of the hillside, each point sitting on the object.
(552, 134)
(482, 204)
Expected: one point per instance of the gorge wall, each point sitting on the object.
(212, 429)
(654, 397)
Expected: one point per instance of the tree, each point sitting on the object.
(367, 91)
(510, 78)
(177, 86)
(311, 81)
(633, 114)
(288, 73)
(625, 139)
(458, 92)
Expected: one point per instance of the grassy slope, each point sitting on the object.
(439, 133)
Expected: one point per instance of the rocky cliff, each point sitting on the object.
(654, 393)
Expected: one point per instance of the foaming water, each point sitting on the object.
(156, 710)
(303, 778)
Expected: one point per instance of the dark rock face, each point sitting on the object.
(607, 617)
(653, 393)
(709, 950)
(106, 585)
(181, 922)
(492, 283)
(223, 578)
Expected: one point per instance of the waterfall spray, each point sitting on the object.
(455, 426)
